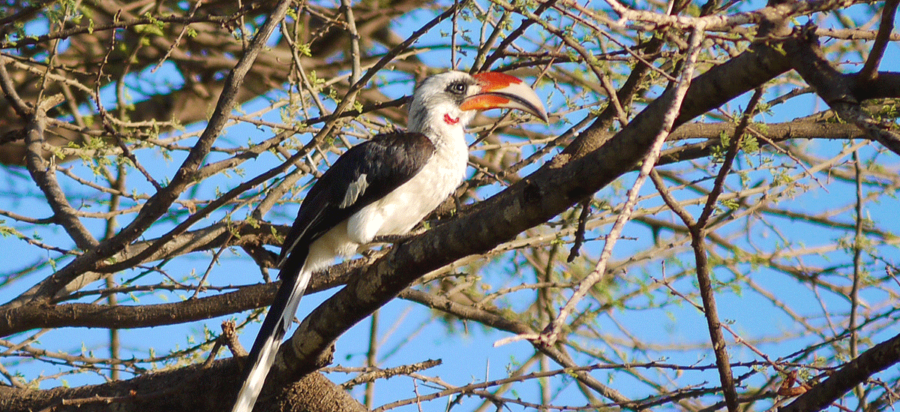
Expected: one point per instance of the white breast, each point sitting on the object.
(406, 206)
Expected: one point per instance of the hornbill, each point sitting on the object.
(384, 186)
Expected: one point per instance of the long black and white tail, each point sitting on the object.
(276, 324)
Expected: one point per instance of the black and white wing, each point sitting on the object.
(365, 173)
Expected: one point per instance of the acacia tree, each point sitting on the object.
(141, 191)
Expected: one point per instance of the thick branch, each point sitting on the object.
(177, 390)
(808, 59)
(532, 201)
(42, 315)
(872, 361)
(870, 69)
(45, 177)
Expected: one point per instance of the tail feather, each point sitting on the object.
(276, 324)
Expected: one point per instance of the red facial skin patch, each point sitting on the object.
(449, 120)
(492, 80)
(483, 102)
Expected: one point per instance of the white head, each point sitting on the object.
(445, 103)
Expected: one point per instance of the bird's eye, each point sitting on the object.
(457, 88)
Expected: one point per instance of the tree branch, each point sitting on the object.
(159, 203)
(870, 69)
(546, 193)
(872, 361)
(808, 59)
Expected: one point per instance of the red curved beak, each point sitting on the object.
(500, 90)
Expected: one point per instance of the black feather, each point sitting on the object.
(388, 161)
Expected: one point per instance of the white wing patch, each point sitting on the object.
(354, 191)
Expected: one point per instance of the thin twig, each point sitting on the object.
(354, 40)
(579, 234)
(371, 360)
(373, 374)
(857, 275)
(180, 36)
(159, 204)
(551, 333)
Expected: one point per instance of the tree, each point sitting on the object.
(759, 271)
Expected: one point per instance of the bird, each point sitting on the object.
(381, 187)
